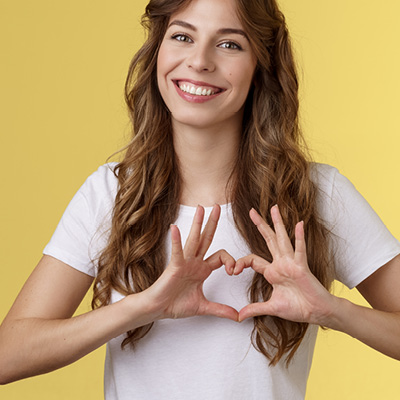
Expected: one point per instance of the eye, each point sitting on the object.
(181, 37)
(230, 46)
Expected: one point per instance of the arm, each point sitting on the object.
(298, 296)
(40, 335)
(379, 327)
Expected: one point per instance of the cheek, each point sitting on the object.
(242, 82)
(162, 70)
(241, 74)
(161, 60)
(248, 81)
(167, 61)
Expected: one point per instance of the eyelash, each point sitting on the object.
(232, 46)
(182, 37)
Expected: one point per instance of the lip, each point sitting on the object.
(192, 98)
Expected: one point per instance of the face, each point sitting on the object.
(205, 65)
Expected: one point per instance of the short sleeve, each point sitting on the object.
(361, 243)
(83, 229)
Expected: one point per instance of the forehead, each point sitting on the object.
(209, 13)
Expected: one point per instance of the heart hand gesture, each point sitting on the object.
(297, 294)
(178, 293)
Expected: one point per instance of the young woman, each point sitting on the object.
(213, 99)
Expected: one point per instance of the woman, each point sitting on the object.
(213, 99)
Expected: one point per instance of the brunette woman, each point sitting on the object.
(213, 99)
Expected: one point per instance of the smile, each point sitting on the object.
(197, 90)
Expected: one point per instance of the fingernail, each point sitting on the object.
(253, 210)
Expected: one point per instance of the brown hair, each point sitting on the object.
(272, 168)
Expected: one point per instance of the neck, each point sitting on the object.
(206, 160)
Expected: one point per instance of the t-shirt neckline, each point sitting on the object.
(183, 209)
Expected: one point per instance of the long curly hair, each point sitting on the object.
(272, 167)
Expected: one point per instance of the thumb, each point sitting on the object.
(220, 310)
(254, 310)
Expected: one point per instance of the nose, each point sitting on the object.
(201, 59)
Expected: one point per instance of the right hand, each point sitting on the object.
(178, 293)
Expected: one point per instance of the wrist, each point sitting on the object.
(139, 309)
(332, 317)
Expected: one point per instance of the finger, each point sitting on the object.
(193, 239)
(285, 246)
(221, 257)
(220, 311)
(300, 254)
(254, 310)
(253, 261)
(208, 233)
(267, 233)
(176, 248)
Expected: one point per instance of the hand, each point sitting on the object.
(297, 294)
(178, 293)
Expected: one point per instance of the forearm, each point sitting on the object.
(377, 329)
(34, 346)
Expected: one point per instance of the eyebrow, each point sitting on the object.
(184, 24)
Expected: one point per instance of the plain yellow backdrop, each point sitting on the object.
(62, 71)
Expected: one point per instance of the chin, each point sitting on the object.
(195, 120)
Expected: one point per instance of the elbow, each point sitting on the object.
(9, 370)
(5, 379)
(8, 373)
(4, 361)
(12, 359)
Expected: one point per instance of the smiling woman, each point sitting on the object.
(200, 62)
(213, 100)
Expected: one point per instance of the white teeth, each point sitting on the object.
(198, 91)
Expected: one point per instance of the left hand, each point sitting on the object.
(297, 294)
(178, 292)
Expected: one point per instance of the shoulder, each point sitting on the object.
(94, 201)
(103, 179)
(337, 197)
(82, 231)
(331, 184)
(101, 186)
(323, 175)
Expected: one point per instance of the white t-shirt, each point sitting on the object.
(207, 357)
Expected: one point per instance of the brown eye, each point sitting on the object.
(180, 37)
(230, 45)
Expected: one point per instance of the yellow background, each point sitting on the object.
(62, 70)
